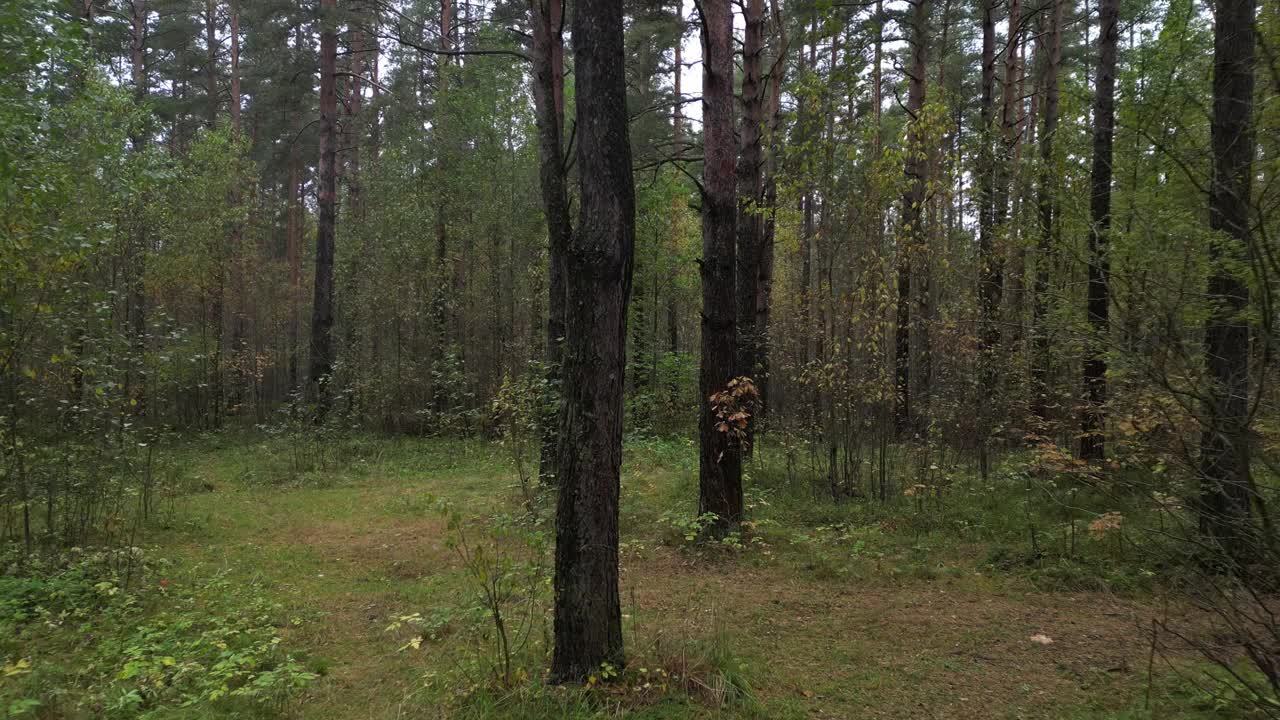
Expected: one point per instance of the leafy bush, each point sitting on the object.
(143, 643)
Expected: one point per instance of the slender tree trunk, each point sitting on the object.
(238, 269)
(677, 141)
(720, 459)
(353, 133)
(235, 66)
(548, 95)
(211, 61)
(598, 264)
(750, 178)
(993, 207)
(769, 205)
(322, 312)
(442, 300)
(1048, 203)
(1092, 446)
(1225, 494)
(293, 248)
(911, 235)
(805, 300)
(137, 314)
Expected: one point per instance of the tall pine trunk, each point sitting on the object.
(911, 232)
(677, 142)
(719, 459)
(548, 97)
(598, 264)
(1092, 445)
(1047, 205)
(136, 387)
(989, 287)
(750, 177)
(322, 312)
(1225, 486)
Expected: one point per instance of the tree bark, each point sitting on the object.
(750, 178)
(353, 134)
(293, 249)
(677, 141)
(1048, 206)
(442, 312)
(322, 312)
(911, 236)
(238, 270)
(211, 61)
(235, 66)
(1225, 494)
(548, 98)
(764, 277)
(720, 460)
(1092, 445)
(598, 263)
(137, 307)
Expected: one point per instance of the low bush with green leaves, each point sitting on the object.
(116, 633)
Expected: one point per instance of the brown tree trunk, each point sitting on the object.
(240, 318)
(750, 178)
(764, 277)
(322, 312)
(293, 248)
(992, 208)
(1092, 446)
(354, 136)
(912, 202)
(808, 228)
(137, 308)
(1225, 485)
(235, 66)
(1048, 204)
(677, 141)
(442, 313)
(211, 61)
(598, 264)
(720, 461)
(548, 96)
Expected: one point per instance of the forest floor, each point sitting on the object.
(816, 615)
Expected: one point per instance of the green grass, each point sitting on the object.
(913, 608)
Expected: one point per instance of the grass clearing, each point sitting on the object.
(822, 611)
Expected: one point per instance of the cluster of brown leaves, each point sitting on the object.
(733, 407)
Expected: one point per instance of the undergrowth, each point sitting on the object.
(125, 634)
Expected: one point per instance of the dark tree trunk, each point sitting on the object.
(1048, 205)
(750, 177)
(211, 61)
(441, 310)
(911, 235)
(235, 66)
(804, 121)
(136, 388)
(322, 312)
(548, 97)
(1225, 512)
(240, 318)
(354, 137)
(990, 217)
(764, 278)
(598, 265)
(677, 141)
(293, 247)
(1092, 446)
(720, 459)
